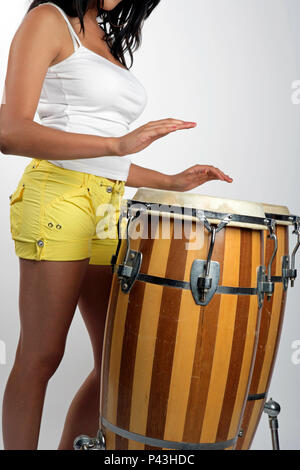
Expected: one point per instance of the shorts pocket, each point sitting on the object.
(16, 208)
(69, 216)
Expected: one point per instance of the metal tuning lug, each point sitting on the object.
(262, 286)
(264, 278)
(290, 272)
(296, 230)
(129, 270)
(205, 274)
(286, 271)
(272, 235)
(88, 443)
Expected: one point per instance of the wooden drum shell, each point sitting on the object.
(174, 370)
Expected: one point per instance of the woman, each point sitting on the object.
(82, 145)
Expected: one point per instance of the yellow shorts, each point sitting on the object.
(62, 215)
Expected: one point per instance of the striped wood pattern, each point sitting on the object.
(268, 342)
(172, 369)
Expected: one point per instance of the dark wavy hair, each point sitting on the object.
(122, 25)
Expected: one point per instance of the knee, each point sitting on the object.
(40, 365)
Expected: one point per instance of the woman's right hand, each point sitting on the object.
(143, 136)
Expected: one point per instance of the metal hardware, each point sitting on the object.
(84, 442)
(151, 441)
(272, 408)
(263, 285)
(58, 226)
(205, 275)
(129, 270)
(40, 242)
(286, 272)
(293, 270)
(109, 189)
(241, 433)
(175, 283)
(256, 396)
(50, 224)
(208, 214)
(289, 272)
(268, 285)
(203, 288)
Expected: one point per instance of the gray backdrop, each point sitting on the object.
(230, 66)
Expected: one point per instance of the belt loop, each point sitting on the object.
(85, 179)
(119, 186)
(35, 162)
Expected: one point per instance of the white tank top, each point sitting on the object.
(88, 94)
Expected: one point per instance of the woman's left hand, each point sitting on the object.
(195, 176)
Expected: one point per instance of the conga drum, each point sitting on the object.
(271, 322)
(182, 322)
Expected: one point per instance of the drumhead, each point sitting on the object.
(206, 203)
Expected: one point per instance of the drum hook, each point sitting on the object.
(272, 235)
(205, 273)
(205, 282)
(265, 284)
(297, 232)
(128, 271)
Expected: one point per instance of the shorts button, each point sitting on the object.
(40, 243)
(109, 189)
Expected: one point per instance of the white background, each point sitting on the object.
(228, 65)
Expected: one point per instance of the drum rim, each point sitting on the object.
(291, 218)
(241, 218)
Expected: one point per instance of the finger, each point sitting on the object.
(220, 175)
(171, 121)
(174, 122)
(160, 131)
(225, 177)
(173, 127)
(215, 170)
(214, 177)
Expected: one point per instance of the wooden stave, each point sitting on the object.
(135, 244)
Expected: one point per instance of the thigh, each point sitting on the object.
(49, 292)
(93, 303)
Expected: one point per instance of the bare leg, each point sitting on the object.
(49, 291)
(83, 414)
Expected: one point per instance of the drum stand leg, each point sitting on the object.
(272, 408)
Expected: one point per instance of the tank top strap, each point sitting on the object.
(71, 29)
